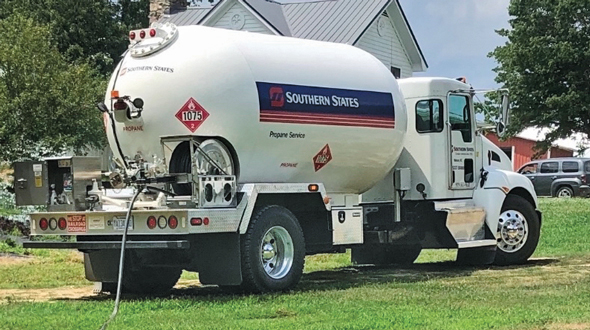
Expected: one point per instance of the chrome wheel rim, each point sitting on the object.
(513, 231)
(564, 193)
(277, 252)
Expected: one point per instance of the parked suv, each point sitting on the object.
(559, 177)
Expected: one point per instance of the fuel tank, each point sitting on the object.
(292, 110)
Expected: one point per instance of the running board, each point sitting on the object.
(466, 223)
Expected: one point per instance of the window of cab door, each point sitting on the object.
(429, 116)
(460, 116)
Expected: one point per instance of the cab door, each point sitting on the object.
(460, 123)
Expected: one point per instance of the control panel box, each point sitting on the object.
(60, 183)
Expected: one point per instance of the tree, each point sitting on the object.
(89, 31)
(45, 102)
(546, 66)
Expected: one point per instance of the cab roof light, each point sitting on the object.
(313, 187)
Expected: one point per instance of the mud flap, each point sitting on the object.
(217, 258)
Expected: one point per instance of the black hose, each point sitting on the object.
(113, 119)
(121, 262)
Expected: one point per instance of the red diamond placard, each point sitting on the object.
(192, 114)
(322, 158)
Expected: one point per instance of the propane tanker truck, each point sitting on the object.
(237, 154)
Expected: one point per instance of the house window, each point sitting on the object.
(397, 72)
(429, 116)
(507, 151)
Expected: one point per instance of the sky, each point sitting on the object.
(456, 36)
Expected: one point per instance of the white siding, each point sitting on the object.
(387, 47)
(252, 24)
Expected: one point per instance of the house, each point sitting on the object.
(376, 26)
(520, 148)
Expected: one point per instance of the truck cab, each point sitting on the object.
(451, 169)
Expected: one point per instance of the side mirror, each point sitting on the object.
(504, 117)
(102, 107)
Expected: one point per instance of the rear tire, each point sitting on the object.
(519, 229)
(273, 251)
(386, 255)
(564, 192)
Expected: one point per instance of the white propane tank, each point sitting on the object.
(293, 110)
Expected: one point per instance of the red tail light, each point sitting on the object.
(62, 223)
(172, 222)
(196, 221)
(152, 32)
(43, 224)
(132, 35)
(206, 221)
(142, 34)
(151, 222)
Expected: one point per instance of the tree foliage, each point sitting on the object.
(93, 31)
(46, 103)
(546, 66)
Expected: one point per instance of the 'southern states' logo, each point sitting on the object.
(322, 158)
(277, 97)
(192, 114)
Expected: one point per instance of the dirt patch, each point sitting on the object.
(70, 293)
(568, 326)
(40, 295)
(7, 259)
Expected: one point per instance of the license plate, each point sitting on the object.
(119, 223)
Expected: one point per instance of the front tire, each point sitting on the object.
(273, 251)
(519, 229)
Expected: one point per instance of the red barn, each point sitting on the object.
(520, 149)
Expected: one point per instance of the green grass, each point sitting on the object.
(550, 292)
(44, 269)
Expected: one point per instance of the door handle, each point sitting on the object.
(532, 178)
(553, 177)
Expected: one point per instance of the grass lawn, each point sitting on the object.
(550, 292)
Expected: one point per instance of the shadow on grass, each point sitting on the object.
(337, 279)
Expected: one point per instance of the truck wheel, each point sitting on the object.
(150, 280)
(519, 231)
(386, 255)
(484, 255)
(564, 192)
(273, 251)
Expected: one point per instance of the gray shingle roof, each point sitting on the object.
(188, 16)
(342, 21)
